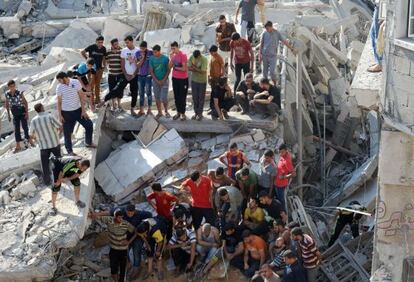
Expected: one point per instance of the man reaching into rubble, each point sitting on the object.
(160, 70)
(183, 249)
(130, 69)
(144, 77)
(247, 22)
(67, 170)
(71, 109)
(234, 159)
(241, 53)
(267, 102)
(17, 104)
(224, 30)
(46, 127)
(273, 208)
(245, 92)
(81, 73)
(97, 52)
(178, 63)
(197, 64)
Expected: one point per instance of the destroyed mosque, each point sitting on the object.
(347, 125)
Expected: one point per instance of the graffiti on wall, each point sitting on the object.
(398, 222)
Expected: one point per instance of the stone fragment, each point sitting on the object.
(258, 135)
(4, 197)
(116, 29)
(23, 189)
(163, 37)
(24, 9)
(11, 27)
(245, 139)
(151, 130)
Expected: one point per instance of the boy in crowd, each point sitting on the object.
(115, 75)
(234, 159)
(178, 63)
(242, 55)
(85, 74)
(130, 69)
(143, 56)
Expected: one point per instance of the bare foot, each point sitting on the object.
(375, 68)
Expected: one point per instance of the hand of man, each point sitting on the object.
(84, 114)
(246, 266)
(62, 120)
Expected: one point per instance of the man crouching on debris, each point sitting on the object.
(67, 170)
(153, 232)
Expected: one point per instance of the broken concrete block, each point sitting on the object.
(24, 9)
(4, 197)
(209, 36)
(208, 144)
(19, 162)
(151, 130)
(23, 189)
(77, 35)
(163, 37)
(258, 135)
(116, 29)
(214, 164)
(246, 139)
(130, 166)
(11, 27)
(59, 55)
(186, 34)
(337, 90)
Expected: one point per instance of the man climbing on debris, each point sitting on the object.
(183, 249)
(153, 233)
(119, 231)
(241, 53)
(17, 104)
(46, 128)
(224, 30)
(71, 109)
(178, 63)
(201, 191)
(234, 159)
(347, 217)
(134, 217)
(144, 77)
(245, 92)
(311, 257)
(81, 72)
(267, 102)
(130, 70)
(198, 64)
(97, 52)
(247, 22)
(67, 169)
(115, 75)
(223, 100)
(285, 171)
(160, 70)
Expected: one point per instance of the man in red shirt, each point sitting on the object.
(285, 171)
(162, 202)
(241, 53)
(201, 190)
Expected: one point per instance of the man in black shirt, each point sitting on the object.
(232, 240)
(222, 99)
(273, 208)
(97, 52)
(268, 101)
(64, 170)
(245, 92)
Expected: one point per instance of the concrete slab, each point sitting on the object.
(163, 37)
(151, 130)
(130, 166)
(116, 29)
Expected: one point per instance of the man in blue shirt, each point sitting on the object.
(144, 77)
(294, 272)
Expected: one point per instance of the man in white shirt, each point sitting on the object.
(129, 69)
(71, 110)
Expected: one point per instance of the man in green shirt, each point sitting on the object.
(247, 182)
(197, 64)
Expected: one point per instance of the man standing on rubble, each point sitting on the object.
(198, 64)
(269, 44)
(130, 69)
(67, 170)
(71, 109)
(201, 191)
(160, 70)
(16, 102)
(247, 19)
(285, 171)
(178, 63)
(115, 75)
(224, 30)
(144, 77)
(46, 127)
(97, 52)
(241, 53)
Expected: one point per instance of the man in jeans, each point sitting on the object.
(46, 127)
(16, 102)
(115, 75)
(160, 70)
(129, 69)
(269, 44)
(178, 63)
(223, 37)
(198, 67)
(71, 109)
(97, 52)
(242, 55)
(144, 78)
(267, 102)
(247, 19)
(285, 171)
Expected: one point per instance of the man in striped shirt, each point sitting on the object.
(45, 127)
(119, 238)
(183, 245)
(71, 110)
(309, 252)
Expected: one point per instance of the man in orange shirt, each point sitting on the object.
(254, 254)
(285, 171)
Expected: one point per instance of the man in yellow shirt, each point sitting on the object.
(254, 218)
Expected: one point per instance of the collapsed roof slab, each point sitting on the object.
(131, 165)
(126, 122)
